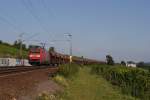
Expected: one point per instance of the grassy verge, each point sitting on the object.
(87, 86)
(68, 70)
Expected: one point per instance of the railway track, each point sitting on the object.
(17, 69)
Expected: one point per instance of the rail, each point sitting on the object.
(15, 69)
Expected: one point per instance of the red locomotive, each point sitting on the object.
(38, 55)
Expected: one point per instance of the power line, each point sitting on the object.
(10, 24)
(32, 36)
(47, 8)
(33, 14)
(12, 20)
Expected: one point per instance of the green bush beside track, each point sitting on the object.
(132, 81)
(67, 70)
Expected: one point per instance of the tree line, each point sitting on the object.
(141, 64)
(16, 44)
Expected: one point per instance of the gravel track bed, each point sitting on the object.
(28, 85)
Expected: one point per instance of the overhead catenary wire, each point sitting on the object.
(10, 19)
(31, 37)
(16, 29)
(35, 16)
(43, 44)
(48, 10)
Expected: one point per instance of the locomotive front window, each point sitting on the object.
(35, 50)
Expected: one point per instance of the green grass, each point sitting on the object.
(68, 70)
(87, 86)
(9, 51)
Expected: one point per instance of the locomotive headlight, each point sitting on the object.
(37, 55)
(34, 55)
(30, 55)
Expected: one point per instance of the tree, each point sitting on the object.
(1, 41)
(18, 43)
(24, 46)
(141, 64)
(109, 60)
(15, 43)
(123, 63)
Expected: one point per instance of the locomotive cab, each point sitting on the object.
(34, 55)
(38, 56)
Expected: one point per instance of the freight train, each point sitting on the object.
(40, 56)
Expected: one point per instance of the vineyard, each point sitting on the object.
(132, 81)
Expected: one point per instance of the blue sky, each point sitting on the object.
(99, 27)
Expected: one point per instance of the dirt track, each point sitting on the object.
(26, 86)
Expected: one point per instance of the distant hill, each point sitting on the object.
(7, 50)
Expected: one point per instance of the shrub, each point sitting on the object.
(1, 41)
(133, 81)
(109, 60)
(61, 80)
(68, 70)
